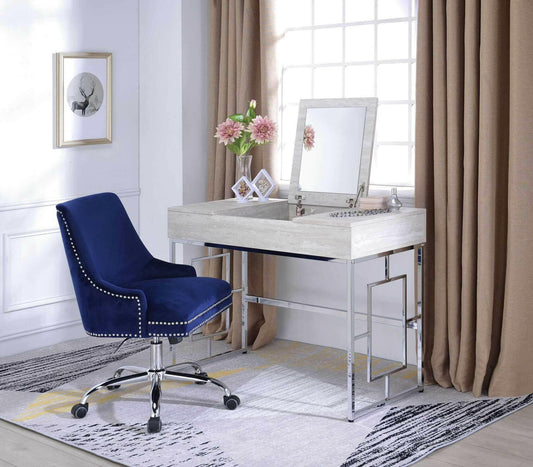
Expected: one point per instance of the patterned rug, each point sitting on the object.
(442, 424)
(292, 412)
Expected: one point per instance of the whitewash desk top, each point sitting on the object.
(270, 226)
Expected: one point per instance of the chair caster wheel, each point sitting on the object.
(203, 373)
(113, 386)
(79, 410)
(231, 402)
(154, 425)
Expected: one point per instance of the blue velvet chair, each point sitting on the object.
(123, 291)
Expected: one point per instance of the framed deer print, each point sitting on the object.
(83, 107)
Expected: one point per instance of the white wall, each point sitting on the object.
(160, 119)
(37, 306)
(195, 79)
(173, 114)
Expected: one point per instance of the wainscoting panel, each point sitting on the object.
(35, 270)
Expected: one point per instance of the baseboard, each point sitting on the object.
(15, 343)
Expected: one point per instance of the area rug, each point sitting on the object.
(292, 413)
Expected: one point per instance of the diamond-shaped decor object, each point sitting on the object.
(263, 185)
(243, 189)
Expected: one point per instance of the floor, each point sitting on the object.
(25, 448)
(508, 443)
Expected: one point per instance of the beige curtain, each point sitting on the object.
(242, 67)
(474, 174)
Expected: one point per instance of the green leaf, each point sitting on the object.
(234, 148)
(250, 113)
(246, 147)
(237, 117)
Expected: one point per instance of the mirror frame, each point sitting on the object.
(315, 198)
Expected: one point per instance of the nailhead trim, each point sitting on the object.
(102, 290)
(172, 323)
(183, 334)
(109, 335)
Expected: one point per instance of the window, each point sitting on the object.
(352, 48)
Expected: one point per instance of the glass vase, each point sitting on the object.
(244, 167)
(243, 188)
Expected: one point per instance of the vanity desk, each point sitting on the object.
(330, 230)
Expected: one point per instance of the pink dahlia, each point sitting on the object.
(309, 137)
(262, 129)
(228, 131)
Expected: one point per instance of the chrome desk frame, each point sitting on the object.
(414, 322)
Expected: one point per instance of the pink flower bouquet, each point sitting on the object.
(242, 132)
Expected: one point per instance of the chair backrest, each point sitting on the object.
(104, 237)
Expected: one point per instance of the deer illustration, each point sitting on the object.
(82, 105)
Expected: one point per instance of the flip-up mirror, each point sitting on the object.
(333, 151)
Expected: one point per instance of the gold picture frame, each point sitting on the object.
(83, 98)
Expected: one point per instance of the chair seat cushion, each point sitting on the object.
(178, 306)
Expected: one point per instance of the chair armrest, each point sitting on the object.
(157, 269)
(108, 310)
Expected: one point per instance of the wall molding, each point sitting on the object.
(36, 303)
(52, 202)
(8, 307)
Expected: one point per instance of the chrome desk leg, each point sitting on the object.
(172, 259)
(350, 338)
(244, 306)
(229, 281)
(419, 310)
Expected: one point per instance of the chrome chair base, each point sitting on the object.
(155, 375)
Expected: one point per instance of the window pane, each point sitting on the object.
(390, 166)
(296, 84)
(296, 47)
(392, 123)
(359, 10)
(294, 14)
(328, 45)
(359, 81)
(393, 41)
(413, 39)
(359, 43)
(336, 54)
(393, 82)
(328, 82)
(393, 9)
(327, 11)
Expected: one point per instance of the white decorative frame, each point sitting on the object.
(70, 131)
(243, 182)
(333, 199)
(263, 175)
